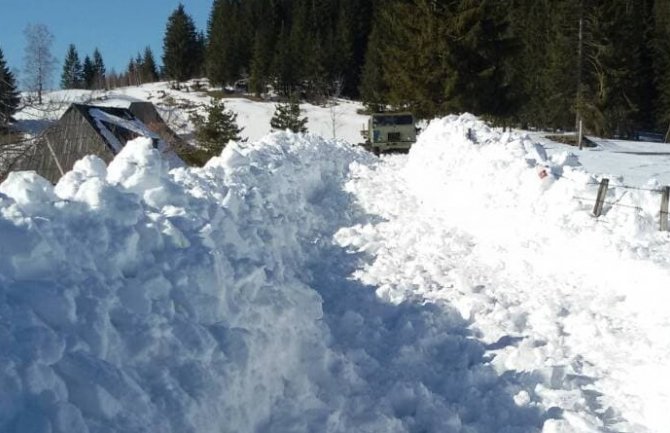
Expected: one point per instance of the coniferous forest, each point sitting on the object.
(532, 63)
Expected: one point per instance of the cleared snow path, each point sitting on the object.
(133, 299)
(574, 311)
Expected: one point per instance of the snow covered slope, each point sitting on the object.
(339, 121)
(298, 284)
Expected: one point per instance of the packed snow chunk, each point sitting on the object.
(29, 190)
(53, 304)
(139, 298)
(68, 419)
(138, 167)
(88, 167)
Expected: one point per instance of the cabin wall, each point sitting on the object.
(71, 139)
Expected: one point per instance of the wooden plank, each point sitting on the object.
(664, 209)
(600, 199)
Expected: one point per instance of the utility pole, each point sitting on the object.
(580, 54)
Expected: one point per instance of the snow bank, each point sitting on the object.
(503, 188)
(136, 299)
(483, 221)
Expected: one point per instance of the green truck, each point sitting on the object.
(389, 132)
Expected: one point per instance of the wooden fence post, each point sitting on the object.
(664, 209)
(600, 199)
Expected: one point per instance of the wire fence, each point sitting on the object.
(601, 198)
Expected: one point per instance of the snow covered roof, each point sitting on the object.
(118, 127)
(119, 101)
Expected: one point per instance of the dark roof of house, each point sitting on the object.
(115, 125)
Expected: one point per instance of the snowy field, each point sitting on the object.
(299, 284)
(340, 121)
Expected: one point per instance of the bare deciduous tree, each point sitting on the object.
(39, 63)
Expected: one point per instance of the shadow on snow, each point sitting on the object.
(420, 362)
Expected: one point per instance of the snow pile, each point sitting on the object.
(484, 296)
(136, 299)
(483, 221)
(481, 180)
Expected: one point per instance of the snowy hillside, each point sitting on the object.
(299, 284)
(339, 121)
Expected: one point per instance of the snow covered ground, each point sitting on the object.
(636, 162)
(340, 121)
(574, 308)
(298, 284)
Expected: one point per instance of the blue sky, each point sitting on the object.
(119, 28)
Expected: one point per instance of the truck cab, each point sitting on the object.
(387, 132)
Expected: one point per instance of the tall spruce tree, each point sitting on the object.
(71, 78)
(646, 91)
(88, 73)
(180, 46)
(133, 73)
(661, 50)
(9, 95)
(261, 62)
(544, 68)
(439, 57)
(373, 88)
(611, 63)
(261, 16)
(415, 57)
(230, 41)
(149, 70)
(478, 52)
(100, 71)
(284, 70)
(529, 21)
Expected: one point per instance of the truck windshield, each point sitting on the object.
(400, 119)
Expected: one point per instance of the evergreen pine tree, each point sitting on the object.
(559, 74)
(100, 71)
(263, 47)
(229, 42)
(359, 20)
(9, 95)
(180, 46)
(71, 78)
(373, 88)
(612, 62)
(132, 74)
(342, 66)
(287, 116)
(646, 91)
(88, 73)
(199, 58)
(529, 21)
(661, 50)
(149, 68)
(416, 60)
(260, 64)
(220, 127)
(284, 69)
